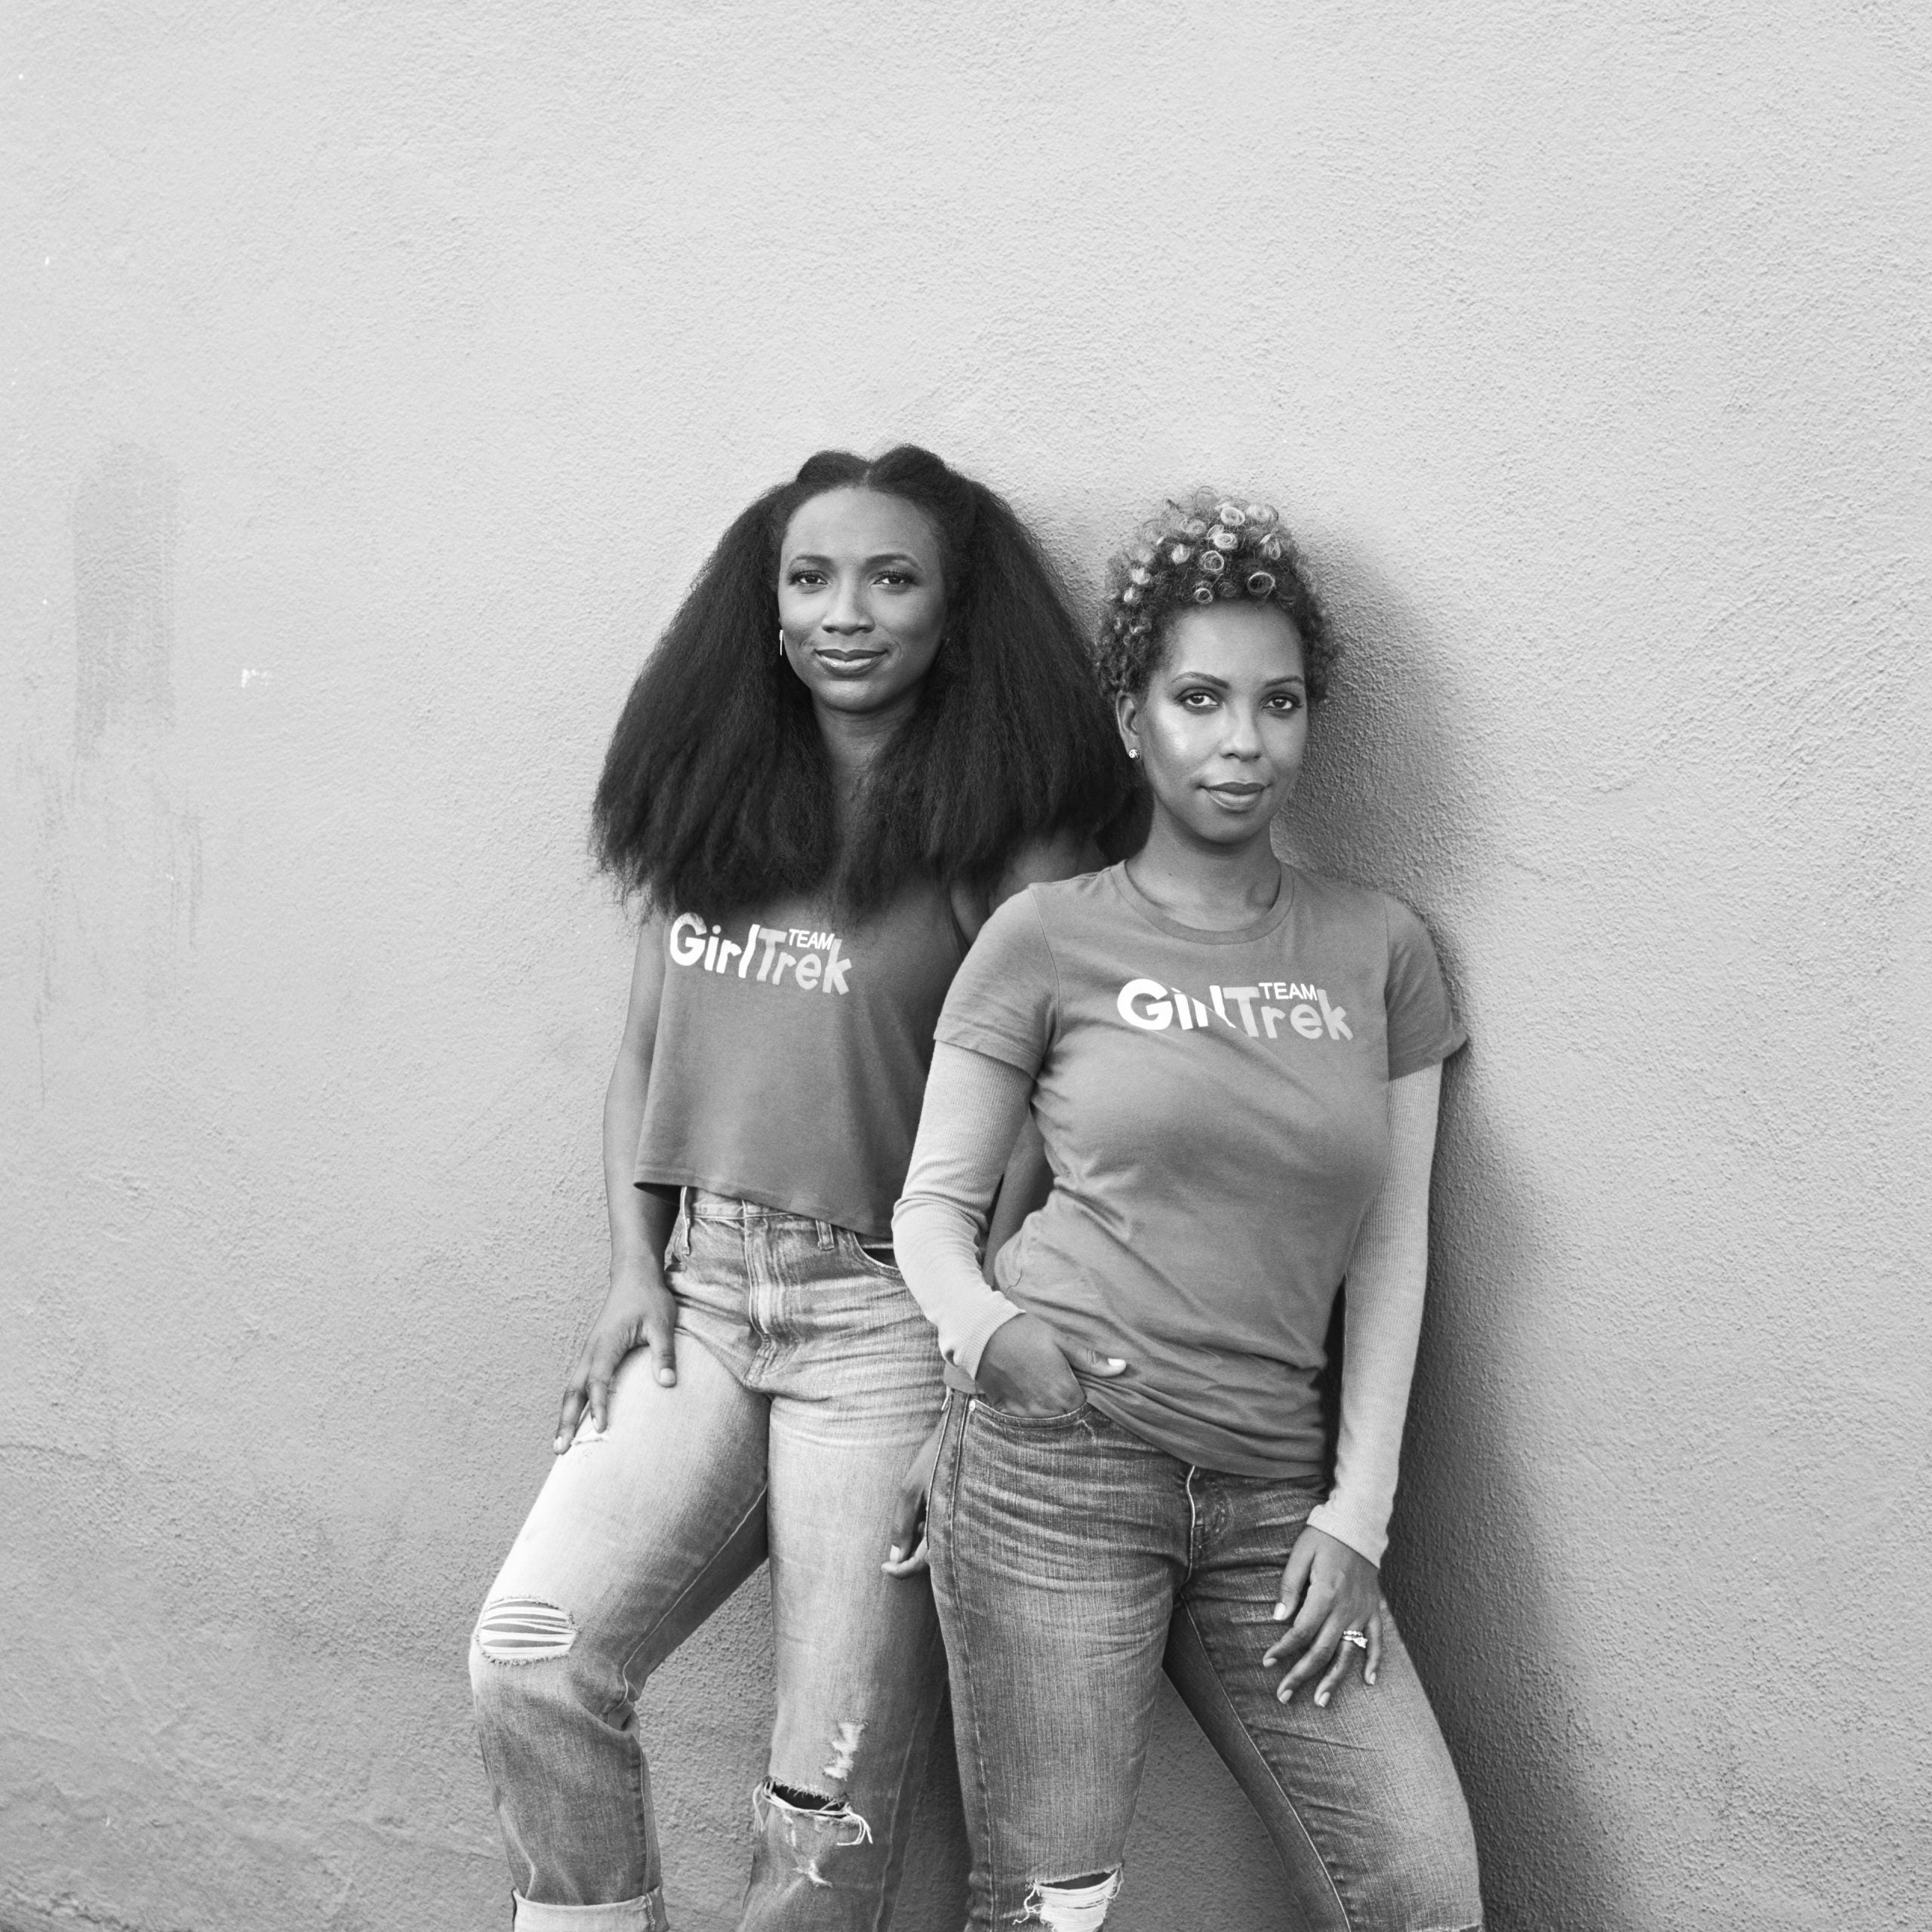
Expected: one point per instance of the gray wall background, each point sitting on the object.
(376, 376)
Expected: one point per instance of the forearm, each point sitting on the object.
(1024, 1187)
(974, 1109)
(1387, 1276)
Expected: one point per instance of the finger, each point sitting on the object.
(1304, 1629)
(1371, 1664)
(1317, 1604)
(1313, 1660)
(1332, 1678)
(660, 1337)
(1294, 1582)
(909, 1517)
(909, 1566)
(568, 1416)
(600, 1396)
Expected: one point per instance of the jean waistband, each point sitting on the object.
(702, 1204)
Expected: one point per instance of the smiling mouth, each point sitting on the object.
(835, 660)
(1236, 794)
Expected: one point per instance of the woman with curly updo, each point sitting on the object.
(870, 722)
(1234, 1064)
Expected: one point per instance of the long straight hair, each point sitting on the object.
(717, 792)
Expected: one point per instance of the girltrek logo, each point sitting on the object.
(1153, 1007)
(813, 959)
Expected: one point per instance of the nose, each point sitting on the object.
(846, 614)
(1241, 738)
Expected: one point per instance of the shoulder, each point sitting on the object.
(1363, 910)
(1041, 861)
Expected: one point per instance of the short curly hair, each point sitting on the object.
(1208, 550)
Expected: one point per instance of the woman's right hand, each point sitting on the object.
(639, 1313)
(1027, 1368)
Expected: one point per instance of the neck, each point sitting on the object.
(854, 739)
(1204, 884)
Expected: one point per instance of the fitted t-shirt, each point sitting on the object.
(1214, 1108)
(791, 1053)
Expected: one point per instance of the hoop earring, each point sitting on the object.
(781, 640)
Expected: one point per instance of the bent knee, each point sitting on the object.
(512, 1636)
(523, 1630)
(1073, 1904)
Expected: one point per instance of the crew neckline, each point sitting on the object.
(1269, 921)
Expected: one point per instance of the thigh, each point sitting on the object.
(1361, 1798)
(1057, 1547)
(859, 1663)
(639, 1534)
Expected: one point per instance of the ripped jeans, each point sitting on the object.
(807, 1377)
(1072, 1561)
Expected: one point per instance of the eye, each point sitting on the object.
(901, 579)
(804, 578)
(1197, 699)
(1285, 703)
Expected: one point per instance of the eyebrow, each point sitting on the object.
(1221, 684)
(871, 563)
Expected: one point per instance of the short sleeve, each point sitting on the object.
(1002, 998)
(1422, 1027)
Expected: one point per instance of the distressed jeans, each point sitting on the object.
(807, 1377)
(1072, 1561)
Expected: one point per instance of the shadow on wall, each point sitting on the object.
(1394, 796)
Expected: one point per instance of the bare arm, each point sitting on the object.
(638, 1311)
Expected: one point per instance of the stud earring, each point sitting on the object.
(1133, 751)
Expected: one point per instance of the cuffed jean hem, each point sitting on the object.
(641, 1914)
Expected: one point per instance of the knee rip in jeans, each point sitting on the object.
(811, 1825)
(1074, 1905)
(524, 1630)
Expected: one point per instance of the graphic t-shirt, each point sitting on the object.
(791, 1053)
(1214, 1108)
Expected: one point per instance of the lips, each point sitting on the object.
(846, 663)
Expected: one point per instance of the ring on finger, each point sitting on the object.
(1356, 1637)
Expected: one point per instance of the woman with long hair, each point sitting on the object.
(870, 722)
(1234, 1064)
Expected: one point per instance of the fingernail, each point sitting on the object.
(562, 1443)
(892, 1554)
(1280, 1611)
(1321, 1699)
(666, 1376)
(1116, 1362)
(1283, 1695)
(1369, 1677)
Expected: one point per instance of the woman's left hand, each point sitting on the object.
(1328, 1588)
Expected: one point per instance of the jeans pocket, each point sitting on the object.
(862, 1258)
(1015, 1418)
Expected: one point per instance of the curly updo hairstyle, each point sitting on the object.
(717, 790)
(1212, 549)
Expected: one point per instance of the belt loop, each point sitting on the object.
(826, 1238)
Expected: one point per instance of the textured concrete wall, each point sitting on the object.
(375, 377)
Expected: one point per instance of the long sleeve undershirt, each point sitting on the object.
(974, 1107)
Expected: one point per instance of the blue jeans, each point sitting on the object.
(1072, 1560)
(807, 1377)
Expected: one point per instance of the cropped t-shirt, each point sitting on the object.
(1214, 1108)
(791, 1053)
